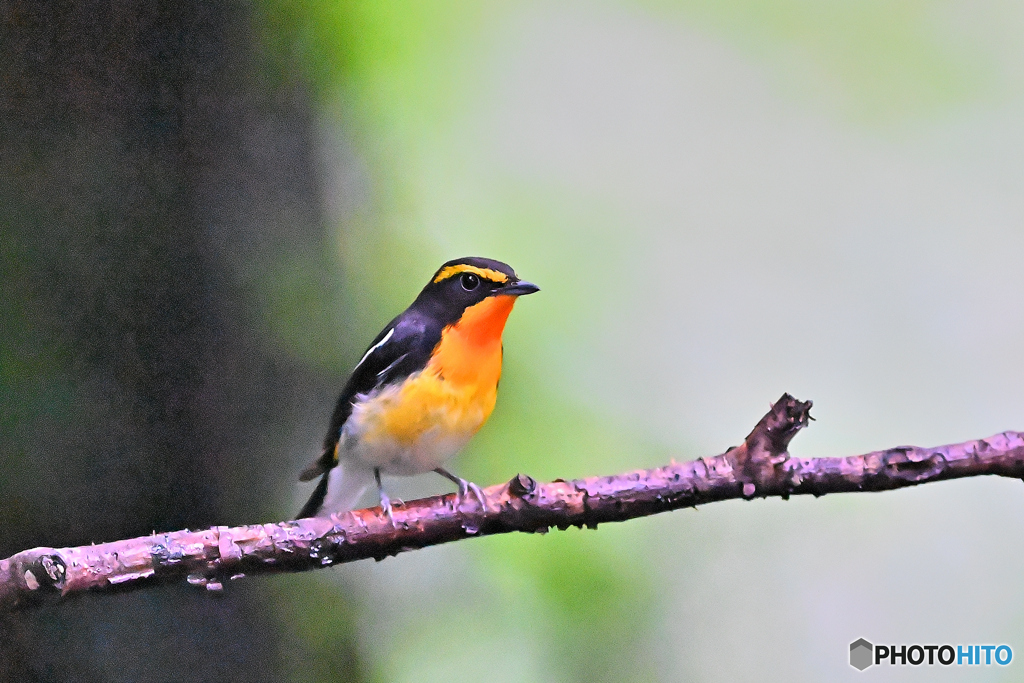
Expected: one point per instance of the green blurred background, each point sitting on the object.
(207, 209)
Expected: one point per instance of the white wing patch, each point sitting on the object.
(385, 371)
(374, 348)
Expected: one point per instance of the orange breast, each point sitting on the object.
(431, 416)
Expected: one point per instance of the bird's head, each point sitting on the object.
(473, 290)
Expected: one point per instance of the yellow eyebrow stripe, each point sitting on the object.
(485, 273)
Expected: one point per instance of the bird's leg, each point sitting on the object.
(385, 502)
(464, 487)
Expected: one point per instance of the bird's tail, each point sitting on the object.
(338, 490)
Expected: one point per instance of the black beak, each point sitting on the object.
(518, 288)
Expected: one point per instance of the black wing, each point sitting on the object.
(402, 348)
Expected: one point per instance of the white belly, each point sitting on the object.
(413, 429)
(430, 451)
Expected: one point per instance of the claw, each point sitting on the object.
(478, 492)
(385, 502)
(464, 488)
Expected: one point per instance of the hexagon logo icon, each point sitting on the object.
(861, 652)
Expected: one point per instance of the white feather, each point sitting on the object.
(345, 484)
(375, 347)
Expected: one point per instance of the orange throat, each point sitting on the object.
(469, 352)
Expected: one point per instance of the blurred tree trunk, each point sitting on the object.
(149, 163)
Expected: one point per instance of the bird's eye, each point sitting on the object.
(470, 281)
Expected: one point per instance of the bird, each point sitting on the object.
(423, 388)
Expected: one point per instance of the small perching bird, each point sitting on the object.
(424, 387)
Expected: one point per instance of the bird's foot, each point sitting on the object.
(478, 492)
(385, 502)
(386, 506)
(464, 488)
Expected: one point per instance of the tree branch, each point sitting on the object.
(761, 466)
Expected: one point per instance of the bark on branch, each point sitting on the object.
(761, 466)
